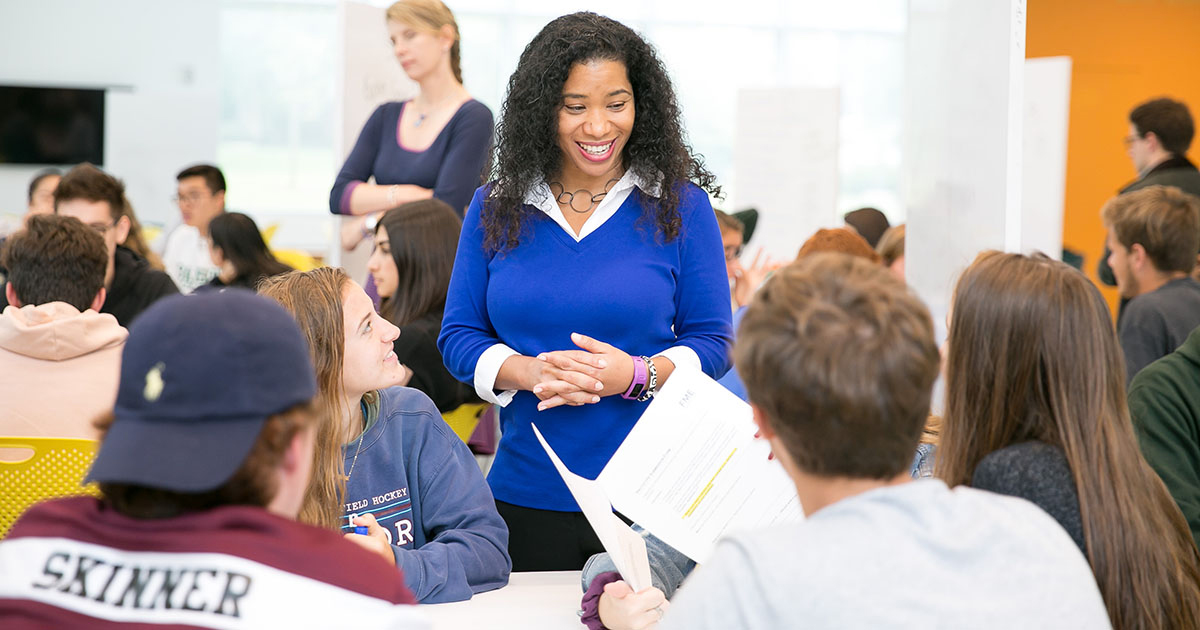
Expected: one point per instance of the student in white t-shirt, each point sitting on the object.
(185, 253)
(839, 362)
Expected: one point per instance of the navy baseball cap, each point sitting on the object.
(200, 374)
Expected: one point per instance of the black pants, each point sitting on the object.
(545, 540)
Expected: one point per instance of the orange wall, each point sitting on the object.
(1123, 52)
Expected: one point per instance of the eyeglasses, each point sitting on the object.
(189, 198)
(1129, 140)
(102, 228)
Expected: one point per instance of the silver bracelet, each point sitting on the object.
(652, 382)
(391, 195)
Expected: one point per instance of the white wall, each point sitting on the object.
(368, 75)
(786, 164)
(163, 58)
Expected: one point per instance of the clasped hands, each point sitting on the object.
(580, 377)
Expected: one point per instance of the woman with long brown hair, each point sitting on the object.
(384, 460)
(411, 265)
(239, 252)
(1035, 407)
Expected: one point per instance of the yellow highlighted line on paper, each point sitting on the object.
(708, 486)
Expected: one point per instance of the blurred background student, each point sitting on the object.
(41, 192)
(868, 223)
(891, 250)
(433, 145)
(240, 253)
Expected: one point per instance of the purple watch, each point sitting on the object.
(640, 378)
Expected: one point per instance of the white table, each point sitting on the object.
(544, 600)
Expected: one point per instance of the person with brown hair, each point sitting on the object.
(838, 240)
(869, 223)
(1036, 408)
(435, 144)
(840, 359)
(98, 200)
(385, 460)
(54, 337)
(41, 192)
(1160, 132)
(411, 265)
(891, 250)
(238, 251)
(1153, 241)
(743, 279)
(733, 239)
(203, 466)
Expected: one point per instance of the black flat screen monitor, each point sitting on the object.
(40, 125)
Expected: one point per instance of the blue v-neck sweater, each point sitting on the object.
(622, 285)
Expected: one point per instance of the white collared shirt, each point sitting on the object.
(540, 197)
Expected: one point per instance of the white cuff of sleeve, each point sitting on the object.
(488, 367)
(680, 356)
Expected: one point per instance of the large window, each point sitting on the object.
(279, 58)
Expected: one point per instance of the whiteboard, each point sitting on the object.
(1044, 154)
(367, 76)
(785, 164)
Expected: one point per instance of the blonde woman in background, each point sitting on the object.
(435, 144)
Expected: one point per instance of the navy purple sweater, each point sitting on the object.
(422, 485)
(452, 166)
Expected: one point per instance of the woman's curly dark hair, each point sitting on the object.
(526, 138)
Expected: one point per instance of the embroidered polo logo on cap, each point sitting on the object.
(154, 382)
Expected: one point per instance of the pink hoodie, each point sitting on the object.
(58, 369)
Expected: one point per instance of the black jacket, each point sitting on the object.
(416, 347)
(135, 286)
(1177, 172)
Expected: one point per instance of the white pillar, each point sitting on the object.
(962, 170)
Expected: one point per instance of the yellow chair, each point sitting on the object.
(462, 420)
(56, 469)
(294, 258)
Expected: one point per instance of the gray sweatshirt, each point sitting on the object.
(917, 555)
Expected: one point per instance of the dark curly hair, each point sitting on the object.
(526, 138)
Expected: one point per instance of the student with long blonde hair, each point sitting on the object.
(384, 459)
(1035, 407)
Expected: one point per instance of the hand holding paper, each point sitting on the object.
(692, 471)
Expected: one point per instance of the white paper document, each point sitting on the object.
(626, 547)
(691, 470)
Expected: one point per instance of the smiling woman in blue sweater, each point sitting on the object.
(586, 272)
(384, 459)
